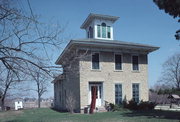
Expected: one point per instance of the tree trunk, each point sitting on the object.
(93, 101)
(39, 101)
(2, 104)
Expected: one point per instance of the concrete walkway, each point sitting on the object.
(167, 107)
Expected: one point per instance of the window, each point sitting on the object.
(90, 33)
(135, 63)
(95, 61)
(135, 89)
(118, 62)
(98, 30)
(103, 30)
(108, 32)
(118, 94)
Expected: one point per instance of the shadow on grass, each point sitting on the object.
(173, 115)
(61, 111)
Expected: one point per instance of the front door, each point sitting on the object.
(98, 93)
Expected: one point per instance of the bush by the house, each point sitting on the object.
(146, 105)
(132, 105)
(116, 107)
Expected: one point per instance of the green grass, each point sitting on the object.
(49, 115)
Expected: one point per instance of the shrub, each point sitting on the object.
(146, 105)
(132, 105)
(115, 107)
(124, 103)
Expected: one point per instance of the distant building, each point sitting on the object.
(26, 103)
(18, 105)
(116, 69)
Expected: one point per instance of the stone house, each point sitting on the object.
(117, 69)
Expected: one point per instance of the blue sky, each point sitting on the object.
(140, 21)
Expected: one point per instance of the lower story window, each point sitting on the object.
(135, 89)
(118, 94)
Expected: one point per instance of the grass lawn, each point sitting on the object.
(49, 115)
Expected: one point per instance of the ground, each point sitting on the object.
(49, 115)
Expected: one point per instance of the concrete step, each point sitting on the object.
(101, 109)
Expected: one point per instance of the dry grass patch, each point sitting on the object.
(10, 113)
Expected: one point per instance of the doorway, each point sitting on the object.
(99, 91)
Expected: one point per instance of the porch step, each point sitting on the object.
(100, 109)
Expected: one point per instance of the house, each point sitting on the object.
(116, 69)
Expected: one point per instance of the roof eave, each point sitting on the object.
(64, 51)
(91, 16)
(139, 47)
(71, 43)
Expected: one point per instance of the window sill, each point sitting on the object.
(96, 70)
(135, 71)
(118, 70)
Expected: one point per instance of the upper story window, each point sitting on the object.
(135, 62)
(118, 62)
(95, 61)
(103, 31)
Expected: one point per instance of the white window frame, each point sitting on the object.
(121, 62)
(132, 63)
(99, 62)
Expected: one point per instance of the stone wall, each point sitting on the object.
(108, 76)
(68, 87)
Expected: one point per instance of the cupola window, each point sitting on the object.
(98, 30)
(90, 32)
(108, 31)
(103, 31)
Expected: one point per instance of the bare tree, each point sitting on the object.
(40, 80)
(7, 79)
(171, 71)
(22, 36)
(70, 102)
(24, 43)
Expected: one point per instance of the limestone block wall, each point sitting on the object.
(68, 87)
(108, 76)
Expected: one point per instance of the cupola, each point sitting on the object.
(99, 26)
